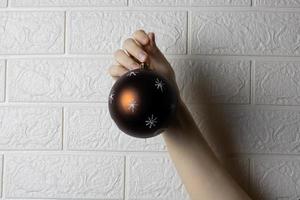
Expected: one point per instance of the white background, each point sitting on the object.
(56, 136)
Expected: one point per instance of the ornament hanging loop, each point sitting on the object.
(144, 65)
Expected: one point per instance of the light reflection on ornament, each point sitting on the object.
(128, 100)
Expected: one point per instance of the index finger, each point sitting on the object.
(141, 37)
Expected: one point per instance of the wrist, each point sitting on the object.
(182, 119)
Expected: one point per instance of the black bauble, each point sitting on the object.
(142, 103)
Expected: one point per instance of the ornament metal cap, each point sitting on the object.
(144, 65)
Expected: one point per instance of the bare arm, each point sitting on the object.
(201, 172)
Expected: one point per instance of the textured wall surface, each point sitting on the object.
(57, 140)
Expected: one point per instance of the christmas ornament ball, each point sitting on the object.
(142, 103)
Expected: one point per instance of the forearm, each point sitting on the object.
(201, 172)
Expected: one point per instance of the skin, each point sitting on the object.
(201, 172)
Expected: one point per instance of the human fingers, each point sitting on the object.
(141, 37)
(117, 70)
(124, 59)
(115, 78)
(131, 46)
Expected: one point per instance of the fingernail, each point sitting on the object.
(142, 56)
(145, 40)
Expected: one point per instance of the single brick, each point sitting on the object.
(263, 131)
(224, 81)
(24, 128)
(64, 176)
(220, 2)
(158, 2)
(249, 130)
(153, 177)
(53, 80)
(277, 3)
(277, 82)
(31, 32)
(276, 178)
(91, 128)
(58, 3)
(104, 31)
(245, 33)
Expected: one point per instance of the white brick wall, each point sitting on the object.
(276, 177)
(245, 33)
(57, 139)
(277, 3)
(152, 177)
(158, 2)
(228, 81)
(31, 32)
(64, 176)
(58, 80)
(91, 128)
(88, 30)
(277, 82)
(220, 2)
(58, 3)
(26, 128)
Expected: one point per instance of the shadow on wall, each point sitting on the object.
(212, 121)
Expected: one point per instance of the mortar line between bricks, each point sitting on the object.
(94, 104)
(169, 56)
(83, 153)
(56, 198)
(142, 153)
(96, 9)
(157, 8)
(263, 155)
(55, 56)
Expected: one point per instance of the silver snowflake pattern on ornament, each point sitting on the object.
(151, 121)
(159, 84)
(132, 105)
(111, 97)
(132, 74)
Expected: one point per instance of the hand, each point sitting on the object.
(141, 48)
